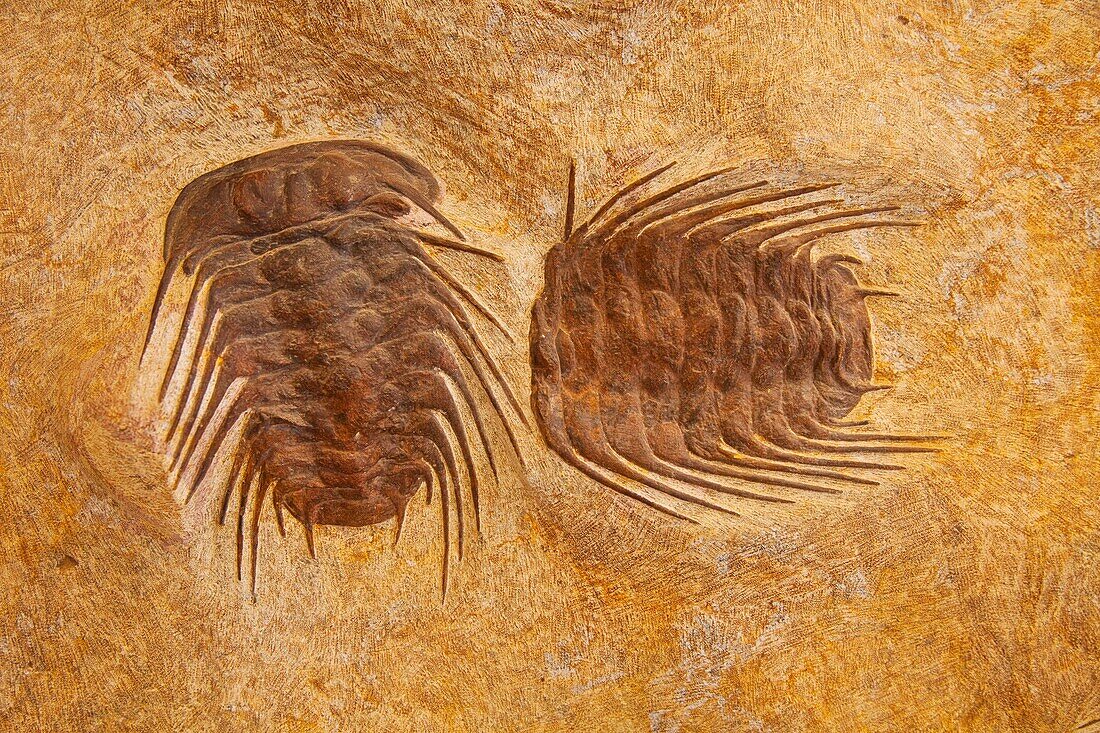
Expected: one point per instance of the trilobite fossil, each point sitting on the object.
(689, 339)
(327, 339)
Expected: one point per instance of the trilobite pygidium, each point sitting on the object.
(690, 337)
(319, 325)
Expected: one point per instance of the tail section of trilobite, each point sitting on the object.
(323, 354)
(690, 340)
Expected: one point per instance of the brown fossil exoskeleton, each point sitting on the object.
(690, 339)
(326, 340)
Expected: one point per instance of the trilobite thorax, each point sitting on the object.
(689, 337)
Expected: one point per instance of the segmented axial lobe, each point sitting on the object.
(320, 331)
(689, 339)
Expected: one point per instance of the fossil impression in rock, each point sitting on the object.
(324, 339)
(690, 341)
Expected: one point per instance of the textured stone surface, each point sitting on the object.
(959, 595)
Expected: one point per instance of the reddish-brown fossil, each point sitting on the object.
(689, 339)
(322, 336)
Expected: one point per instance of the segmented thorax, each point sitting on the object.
(323, 337)
(689, 341)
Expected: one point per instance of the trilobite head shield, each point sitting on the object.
(292, 186)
